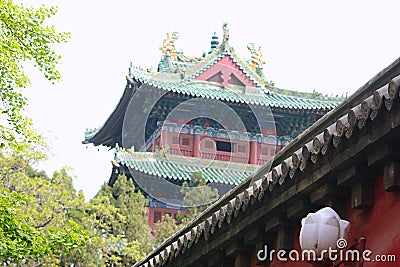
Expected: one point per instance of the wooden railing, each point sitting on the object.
(181, 152)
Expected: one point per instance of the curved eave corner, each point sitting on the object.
(108, 133)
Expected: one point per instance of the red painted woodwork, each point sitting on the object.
(154, 213)
(227, 72)
(379, 225)
(196, 146)
(253, 153)
(205, 147)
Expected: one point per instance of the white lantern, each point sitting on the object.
(322, 230)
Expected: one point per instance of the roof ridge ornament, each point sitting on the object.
(256, 61)
(168, 48)
(214, 43)
(225, 40)
(172, 59)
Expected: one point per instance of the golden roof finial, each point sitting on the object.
(168, 48)
(256, 62)
(225, 40)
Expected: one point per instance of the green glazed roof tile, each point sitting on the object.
(284, 99)
(180, 168)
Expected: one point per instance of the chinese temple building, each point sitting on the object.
(216, 114)
(346, 166)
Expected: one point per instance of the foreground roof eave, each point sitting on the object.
(329, 119)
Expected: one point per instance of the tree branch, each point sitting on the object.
(44, 223)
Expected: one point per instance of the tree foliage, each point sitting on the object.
(22, 239)
(132, 204)
(24, 36)
(165, 228)
(117, 223)
(45, 221)
(104, 247)
(35, 226)
(197, 197)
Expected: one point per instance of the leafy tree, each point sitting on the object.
(24, 37)
(198, 196)
(35, 226)
(117, 223)
(165, 228)
(45, 221)
(104, 247)
(132, 204)
(22, 239)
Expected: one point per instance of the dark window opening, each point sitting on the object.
(185, 141)
(157, 216)
(224, 146)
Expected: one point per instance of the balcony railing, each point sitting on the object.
(215, 133)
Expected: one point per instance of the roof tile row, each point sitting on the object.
(180, 168)
(264, 98)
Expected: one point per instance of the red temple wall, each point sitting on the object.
(380, 226)
(156, 214)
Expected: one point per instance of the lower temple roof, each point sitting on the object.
(180, 168)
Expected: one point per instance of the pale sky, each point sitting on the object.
(331, 46)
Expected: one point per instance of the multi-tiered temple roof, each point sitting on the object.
(219, 75)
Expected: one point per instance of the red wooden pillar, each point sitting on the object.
(196, 146)
(253, 153)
